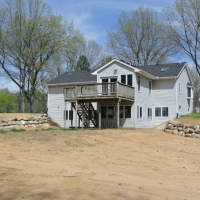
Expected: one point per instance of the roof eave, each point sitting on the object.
(74, 83)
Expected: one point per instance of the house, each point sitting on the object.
(121, 95)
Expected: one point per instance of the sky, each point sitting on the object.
(94, 17)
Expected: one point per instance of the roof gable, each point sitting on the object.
(111, 62)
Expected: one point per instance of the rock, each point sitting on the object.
(194, 135)
(180, 133)
(25, 118)
(45, 124)
(187, 135)
(175, 132)
(180, 128)
(24, 122)
(19, 118)
(186, 130)
(196, 130)
(198, 136)
(196, 127)
(191, 130)
(199, 131)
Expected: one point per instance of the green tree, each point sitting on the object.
(8, 101)
(30, 36)
(82, 63)
(139, 38)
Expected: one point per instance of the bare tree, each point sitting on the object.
(30, 35)
(139, 38)
(196, 89)
(183, 28)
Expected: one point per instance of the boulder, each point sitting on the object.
(194, 135)
(187, 135)
(186, 130)
(191, 130)
(175, 132)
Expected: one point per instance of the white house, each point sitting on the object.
(121, 95)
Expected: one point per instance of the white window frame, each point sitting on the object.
(126, 79)
(148, 112)
(180, 88)
(161, 111)
(139, 83)
(191, 92)
(139, 113)
(150, 87)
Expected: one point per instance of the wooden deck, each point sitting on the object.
(99, 91)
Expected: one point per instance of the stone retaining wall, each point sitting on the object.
(185, 130)
(25, 122)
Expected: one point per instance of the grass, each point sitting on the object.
(43, 129)
(192, 115)
(71, 129)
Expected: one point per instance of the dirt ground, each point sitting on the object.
(99, 164)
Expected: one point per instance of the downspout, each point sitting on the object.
(135, 108)
(176, 99)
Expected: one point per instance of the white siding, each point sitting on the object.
(56, 105)
(164, 95)
(143, 99)
(183, 106)
(115, 70)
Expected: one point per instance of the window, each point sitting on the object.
(158, 112)
(121, 112)
(125, 112)
(123, 79)
(149, 113)
(165, 111)
(70, 114)
(130, 80)
(189, 92)
(180, 88)
(111, 112)
(139, 112)
(107, 112)
(138, 83)
(65, 115)
(150, 87)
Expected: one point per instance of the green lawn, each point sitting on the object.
(192, 115)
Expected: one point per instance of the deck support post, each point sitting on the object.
(117, 113)
(99, 108)
(76, 115)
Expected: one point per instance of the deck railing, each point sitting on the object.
(99, 90)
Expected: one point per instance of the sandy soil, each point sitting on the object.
(190, 121)
(99, 164)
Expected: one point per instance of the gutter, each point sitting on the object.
(74, 83)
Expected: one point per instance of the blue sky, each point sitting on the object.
(94, 17)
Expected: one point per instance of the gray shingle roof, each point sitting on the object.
(73, 77)
(163, 70)
(160, 70)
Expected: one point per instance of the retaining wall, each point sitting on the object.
(25, 122)
(185, 130)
